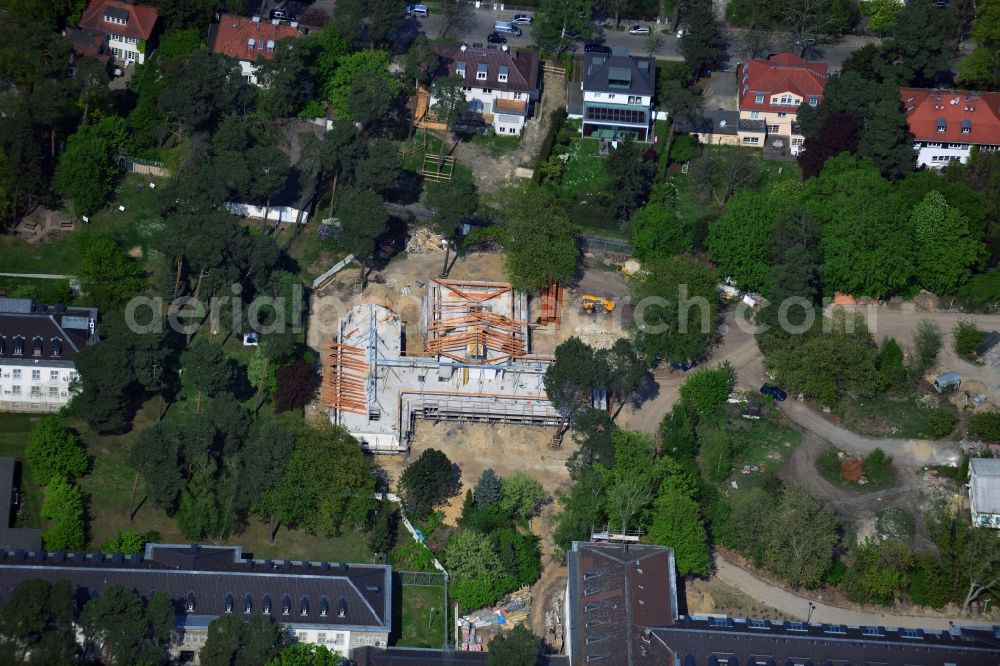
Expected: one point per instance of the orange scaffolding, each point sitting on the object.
(464, 327)
(551, 305)
(344, 375)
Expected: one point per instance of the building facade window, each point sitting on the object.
(487, 91)
(36, 391)
(782, 114)
(755, 115)
(759, 98)
(36, 375)
(813, 100)
(16, 373)
(15, 390)
(53, 391)
(751, 139)
(772, 129)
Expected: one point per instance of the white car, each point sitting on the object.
(521, 19)
(639, 30)
(420, 11)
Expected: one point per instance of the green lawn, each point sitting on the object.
(14, 431)
(422, 617)
(45, 291)
(132, 228)
(585, 176)
(495, 144)
(890, 416)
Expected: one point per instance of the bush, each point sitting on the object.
(708, 388)
(940, 422)
(878, 468)
(981, 293)
(852, 469)
(829, 464)
(985, 426)
(556, 119)
(895, 524)
(128, 542)
(928, 584)
(967, 337)
(685, 148)
(927, 341)
(54, 451)
(64, 507)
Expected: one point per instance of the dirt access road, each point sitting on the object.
(740, 348)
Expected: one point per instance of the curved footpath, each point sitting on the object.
(798, 607)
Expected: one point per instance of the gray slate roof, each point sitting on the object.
(13, 537)
(212, 573)
(984, 487)
(63, 331)
(602, 71)
(718, 121)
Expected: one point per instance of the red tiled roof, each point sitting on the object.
(784, 72)
(522, 66)
(140, 23)
(980, 111)
(232, 35)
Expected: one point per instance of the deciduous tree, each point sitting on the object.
(233, 641)
(54, 451)
(677, 523)
(539, 240)
(518, 648)
(64, 507)
(427, 482)
(127, 630)
(708, 388)
(38, 623)
(946, 251)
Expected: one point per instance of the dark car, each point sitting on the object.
(496, 38)
(596, 48)
(773, 391)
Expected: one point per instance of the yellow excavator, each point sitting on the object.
(592, 304)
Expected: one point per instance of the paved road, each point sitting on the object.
(480, 23)
(797, 606)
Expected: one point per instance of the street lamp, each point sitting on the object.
(812, 607)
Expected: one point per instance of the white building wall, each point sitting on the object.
(481, 102)
(937, 155)
(27, 387)
(125, 48)
(616, 98)
(249, 71)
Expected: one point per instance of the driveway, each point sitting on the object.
(720, 93)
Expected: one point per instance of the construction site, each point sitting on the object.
(475, 365)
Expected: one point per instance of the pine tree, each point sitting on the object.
(488, 489)
(199, 510)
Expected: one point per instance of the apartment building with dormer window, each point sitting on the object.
(37, 345)
(770, 93)
(500, 84)
(127, 28)
(249, 40)
(947, 124)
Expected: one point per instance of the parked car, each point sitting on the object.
(506, 28)
(420, 11)
(521, 19)
(639, 30)
(279, 14)
(596, 48)
(773, 391)
(683, 366)
(496, 38)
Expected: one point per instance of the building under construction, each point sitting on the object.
(476, 366)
